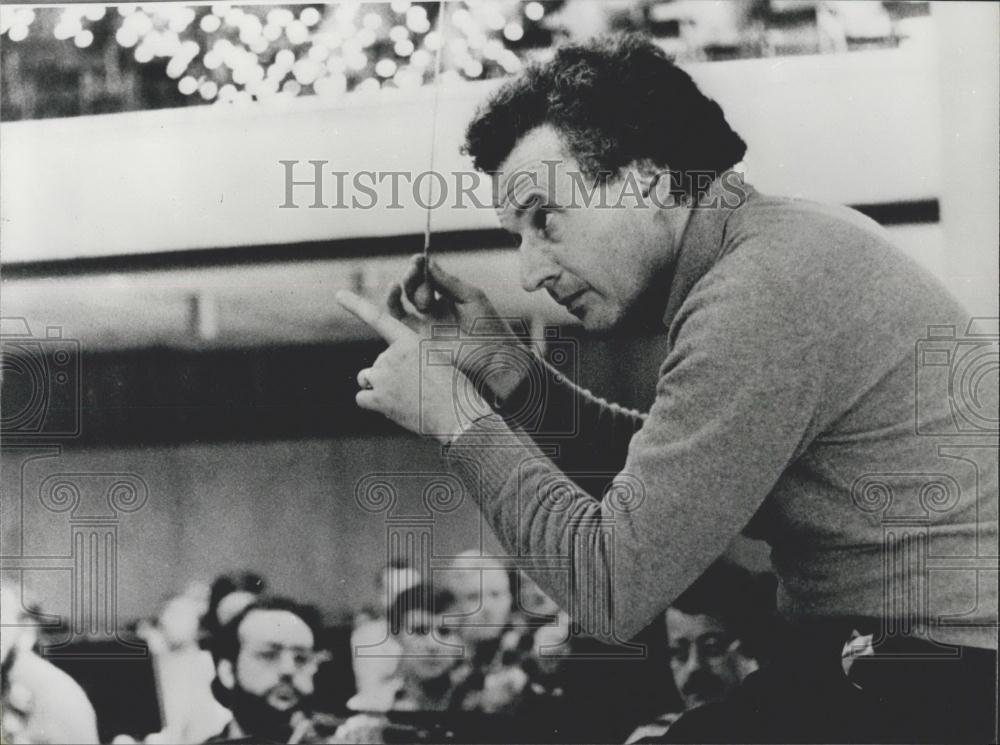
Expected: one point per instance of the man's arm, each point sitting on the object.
(736, 404)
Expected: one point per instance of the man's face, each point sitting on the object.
(275, 667)
(705, 658)
(482, 598)
(424, 639)
(606, 262)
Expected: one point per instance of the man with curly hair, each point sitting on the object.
(786, 398)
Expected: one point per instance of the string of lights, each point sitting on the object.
(228, 53)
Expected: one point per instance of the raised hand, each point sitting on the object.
(440, 298)
(400, 385)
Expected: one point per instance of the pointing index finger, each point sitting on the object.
(376, 317)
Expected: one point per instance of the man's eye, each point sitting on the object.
(713, 648)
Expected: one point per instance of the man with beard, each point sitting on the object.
(265, 661)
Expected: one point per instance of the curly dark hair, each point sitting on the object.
(614, 100)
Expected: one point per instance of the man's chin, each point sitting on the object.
(595, 322)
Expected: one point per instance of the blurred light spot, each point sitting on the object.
(208, 90)
(513, 31)
(385, 68)
(94, 12)
(176, 67)
(296, 32)
(310, 16)
(272, 32)
(280, 17)
(210, 23)
(473, 68)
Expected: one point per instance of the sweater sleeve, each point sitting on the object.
(735, 406)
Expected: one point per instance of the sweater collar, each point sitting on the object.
(702, 243)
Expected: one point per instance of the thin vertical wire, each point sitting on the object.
(434, 116)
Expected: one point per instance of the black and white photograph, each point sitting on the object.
(499, 371)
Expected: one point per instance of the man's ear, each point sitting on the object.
(226, 674)
(663, 193)
(657, 184)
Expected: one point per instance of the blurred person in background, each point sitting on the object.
(483, 604)
(428, 654)
(184, 670)
(717, 631)
(492, 679)
(374, 650)
(39, 703)
(265, 662)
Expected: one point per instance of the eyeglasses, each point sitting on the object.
(707, 647)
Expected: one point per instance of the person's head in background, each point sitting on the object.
(179, 623)
(265, 661)
(429, 648)
(482, 597)
(230, 594)
(395, 577)
(716, 631)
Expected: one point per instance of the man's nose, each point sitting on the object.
(537, 268)
(288, 666)
(693, 662)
